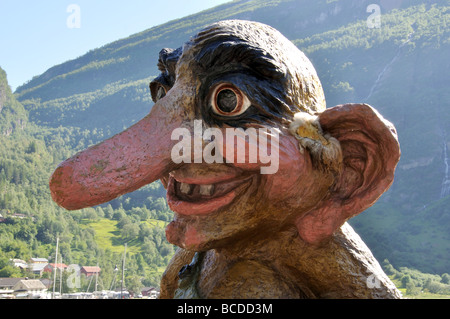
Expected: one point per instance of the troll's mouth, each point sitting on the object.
(199, 198)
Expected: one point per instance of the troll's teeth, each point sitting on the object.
(185, 188)
(206, 190)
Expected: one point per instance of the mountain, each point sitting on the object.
(13, 115)
(30, 222)
(400, 67)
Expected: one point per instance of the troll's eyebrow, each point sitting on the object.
(222, 51)
(167, 63)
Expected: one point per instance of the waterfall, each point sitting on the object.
(381, 74)
(445, 188)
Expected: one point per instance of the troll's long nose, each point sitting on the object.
(119, 165)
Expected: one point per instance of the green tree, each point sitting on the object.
(406, 279)
(144, 232)
(130, 231)
(412, 290)
(134, 284)
(10, 271)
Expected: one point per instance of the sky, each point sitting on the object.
(36, 35)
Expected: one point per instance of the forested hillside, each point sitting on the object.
(400, 67)
(30, 222)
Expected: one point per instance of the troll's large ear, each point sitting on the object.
(370, 153)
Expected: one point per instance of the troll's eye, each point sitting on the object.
(159, 88)
(228, 100)
(160, 93)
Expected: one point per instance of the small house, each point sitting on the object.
(38, 261)
(37, 269)
(150, 292)
(19, 263)
(90, 270)
(29, 286)
(9, 283)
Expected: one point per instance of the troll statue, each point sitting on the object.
(264, 214)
